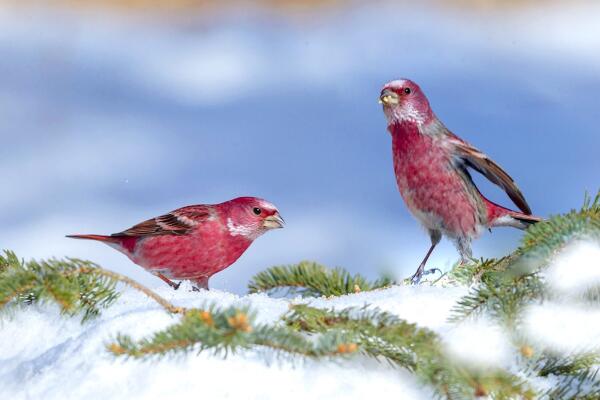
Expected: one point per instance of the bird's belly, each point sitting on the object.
(434, 192)
(188, 256)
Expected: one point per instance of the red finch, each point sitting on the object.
(194, 242)
(431, 165)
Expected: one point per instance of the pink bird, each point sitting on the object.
(195, 242)
(431, 166)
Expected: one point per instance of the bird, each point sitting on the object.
(194, 242)
(432, 167)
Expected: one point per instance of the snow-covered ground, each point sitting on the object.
(44, 355)
(58, 358)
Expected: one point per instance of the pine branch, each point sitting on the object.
(116, 277)
(475, 271)
(370, 332)
(222, 331)
(545, 238)
(312, 279)
(553, 364)
(77, 286)
(583, 385)
(573, 376)
(502, 296)
(384, 336)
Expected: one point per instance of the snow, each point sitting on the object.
(46, 355)
(51, 351)
(567, 328)
(479, 343)
(576, 269)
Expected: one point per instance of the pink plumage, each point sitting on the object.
(431, 166)
(195, 242)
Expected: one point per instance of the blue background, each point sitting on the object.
(109, 118)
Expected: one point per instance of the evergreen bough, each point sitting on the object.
(75, 285)
(312, 279)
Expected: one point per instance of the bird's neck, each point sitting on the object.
(409, 127)
(410, 138)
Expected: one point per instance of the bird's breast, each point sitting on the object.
(431, 186)
(419, 160)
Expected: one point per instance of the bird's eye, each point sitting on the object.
(256, 210)
(406, 90)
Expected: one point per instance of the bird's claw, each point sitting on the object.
(416, 278)
(432, 271)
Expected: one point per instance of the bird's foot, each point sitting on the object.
(200, 283)
(416, 278)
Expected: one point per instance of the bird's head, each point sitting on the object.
(250, 217)
(403, 101)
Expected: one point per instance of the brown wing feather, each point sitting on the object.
(484, 165)
(177, 222)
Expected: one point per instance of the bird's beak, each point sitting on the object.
(388, 97)
(273, 221)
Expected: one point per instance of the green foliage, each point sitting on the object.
(554, 364)
(384, 336)
(312, 279)
(223, 331)
(500, 296)
(316, 333)
(543, 239)
(73, 284)
(476, 271)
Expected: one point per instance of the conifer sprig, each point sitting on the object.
(77, 286)
(476, 271)
(573, 376)
(222, 331)
(386, 337)
(61, 281)
(313, 279)
(337, 333)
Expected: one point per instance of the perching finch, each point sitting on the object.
(194, 242)
(431, 166)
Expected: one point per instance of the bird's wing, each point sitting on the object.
(480, 162)
(177, 222)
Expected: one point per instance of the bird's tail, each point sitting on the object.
(500, 216)
(100, 238)
(125, 244)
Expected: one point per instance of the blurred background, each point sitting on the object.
(112, 112)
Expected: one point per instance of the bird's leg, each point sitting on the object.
(169, 282)
(416, 278)
(463, 244)
(436, 236)
(200, 283)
